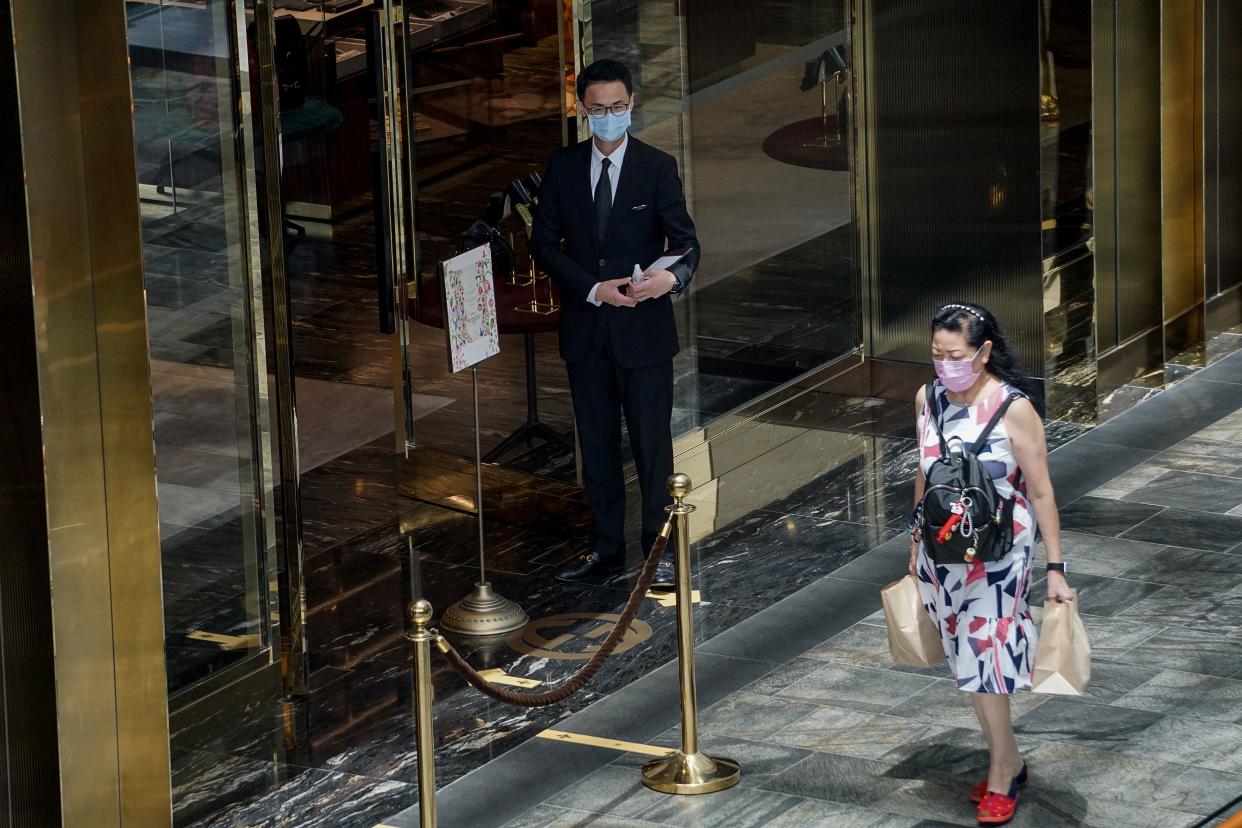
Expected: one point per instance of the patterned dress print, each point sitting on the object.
(983, 609)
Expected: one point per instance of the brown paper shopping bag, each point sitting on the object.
(1063, 658)
(913, 638)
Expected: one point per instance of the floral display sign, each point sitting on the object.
(470, 308)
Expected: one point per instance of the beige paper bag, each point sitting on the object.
(913, 638)
(1063, 657)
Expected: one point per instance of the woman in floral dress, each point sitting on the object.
(983, 609)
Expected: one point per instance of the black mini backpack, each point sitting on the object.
(962, 517)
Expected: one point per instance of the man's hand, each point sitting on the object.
(610, 293)
(657, 283)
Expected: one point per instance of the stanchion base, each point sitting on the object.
(483, 612)
(687, 774)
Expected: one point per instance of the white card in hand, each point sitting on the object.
(664, 262)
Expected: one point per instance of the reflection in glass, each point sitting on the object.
(753, 101)
(1069, 278)
(1066, 118)
(207, 411)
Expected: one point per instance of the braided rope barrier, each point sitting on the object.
(579, 679)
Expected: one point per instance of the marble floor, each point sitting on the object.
(800, 688)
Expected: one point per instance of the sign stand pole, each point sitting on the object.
(483, 611)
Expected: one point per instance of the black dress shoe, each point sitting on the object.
(665, 579)
(590, 567)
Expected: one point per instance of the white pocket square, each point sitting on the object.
(638, 207)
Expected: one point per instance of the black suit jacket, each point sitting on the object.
(648, 216)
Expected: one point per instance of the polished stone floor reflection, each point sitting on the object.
(834, 734)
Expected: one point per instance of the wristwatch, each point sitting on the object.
(1056, 567)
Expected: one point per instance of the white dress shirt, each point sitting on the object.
(617, 158)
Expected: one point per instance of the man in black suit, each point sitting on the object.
(607, 205)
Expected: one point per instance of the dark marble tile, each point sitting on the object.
(318, 798)
(551, 816)
(1174, 648)
(613, 790)
(764, 557)
(880, 566)
(204, 784)
(843, 779)
(1098, 516)
(783, 676)
(1199, 454)
(1188, 695)
(1080, 467)
(941, 702)
(1091, 725)
(1212, 745)
(749, 716)
(1194, 530)
(732, 808)
(1096, 555)
(1051, 802)
(944, 749)
(1191, 568)
(1227, 369)
(852, 732)
(1059, 432)
(1198, 611)
(1101, 596)
(1141, 781)
(856, 688)
(1168, 417)
(1110, 680)
(1112, 638)
(876, 486)
(1192, 491)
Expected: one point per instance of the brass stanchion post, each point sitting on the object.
(688, 771)
(422, 638)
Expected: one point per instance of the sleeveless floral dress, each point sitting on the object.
(983, 609)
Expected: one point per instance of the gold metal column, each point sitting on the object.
(1181, 179)
(82, 258)
(291, 572)
(688, 771)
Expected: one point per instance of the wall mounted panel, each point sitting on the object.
(955, 169)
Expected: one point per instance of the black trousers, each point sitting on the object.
(602, 391)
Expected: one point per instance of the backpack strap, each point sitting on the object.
(982, 439)
(933, 414)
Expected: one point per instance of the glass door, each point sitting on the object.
(201, 235)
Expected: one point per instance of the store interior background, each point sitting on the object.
(811, 260)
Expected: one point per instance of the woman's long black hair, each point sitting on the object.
(980, 326)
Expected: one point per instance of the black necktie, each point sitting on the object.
(603, 198)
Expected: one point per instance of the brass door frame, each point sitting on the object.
(289, 617)
(84, 280)
(395, 97)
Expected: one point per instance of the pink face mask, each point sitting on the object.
(957, 375)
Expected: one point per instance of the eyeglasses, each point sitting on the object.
(600, 111)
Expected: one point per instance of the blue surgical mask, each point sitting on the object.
(609, 127)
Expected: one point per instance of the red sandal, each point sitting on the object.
(997, 808)
(978, 792)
